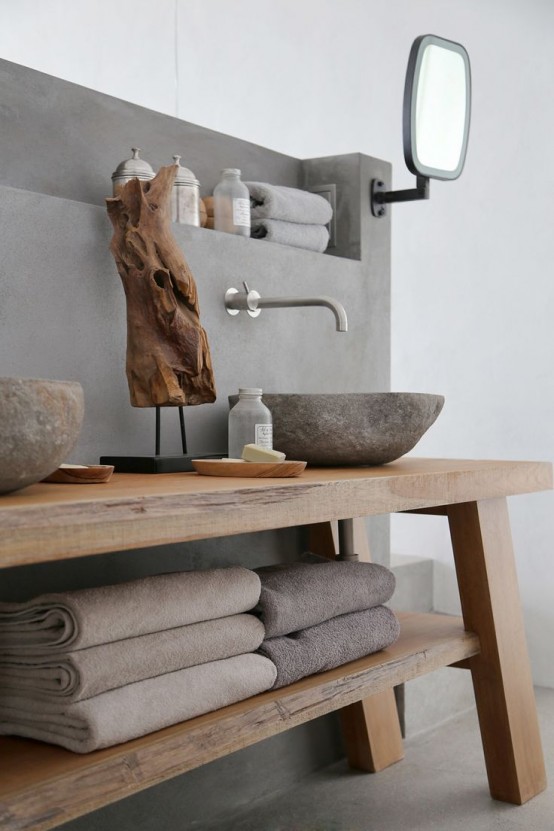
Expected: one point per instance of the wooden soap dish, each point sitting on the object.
(89, 475)
(256, 470)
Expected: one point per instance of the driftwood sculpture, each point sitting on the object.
(168, 357)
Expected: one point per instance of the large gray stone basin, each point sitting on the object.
(39, 424)
(350, 428)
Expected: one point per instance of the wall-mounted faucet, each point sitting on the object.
(250, 301)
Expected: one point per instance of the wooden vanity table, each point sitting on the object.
(42, 786)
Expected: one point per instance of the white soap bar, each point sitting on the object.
(74, 467)
(256, 453)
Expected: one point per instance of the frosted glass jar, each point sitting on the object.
(185, 196)
(232, 204)
(250, 422)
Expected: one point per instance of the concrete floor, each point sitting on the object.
(441, 784)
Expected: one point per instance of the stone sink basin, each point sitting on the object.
(40, 421)
(350, 428)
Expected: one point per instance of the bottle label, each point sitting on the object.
(264, 435)
(241, 212)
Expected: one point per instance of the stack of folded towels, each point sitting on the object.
(319, 615)
(92, 668)
(289, 216)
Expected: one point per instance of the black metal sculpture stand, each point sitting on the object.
(158, 463)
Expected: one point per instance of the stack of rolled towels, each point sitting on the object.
(92, 668)
(320, 615)
(289, 216)
(95, 667)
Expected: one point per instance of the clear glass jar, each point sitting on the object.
(250, 422)
(232, 204)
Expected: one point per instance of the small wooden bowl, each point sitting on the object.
(90, 475)
(254, 470)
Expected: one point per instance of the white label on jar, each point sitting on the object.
(264, 435)
(241, 212)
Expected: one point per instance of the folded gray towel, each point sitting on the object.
(310, 237)
(78, 619)
(290, 204)
(299, 595)
(331, 644)
(74, 676)
(128, 712)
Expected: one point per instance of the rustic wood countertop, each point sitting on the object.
(51, 522)
(45, 786)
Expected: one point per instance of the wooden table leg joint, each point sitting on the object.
(465, 664)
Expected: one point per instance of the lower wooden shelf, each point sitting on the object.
(43, 786)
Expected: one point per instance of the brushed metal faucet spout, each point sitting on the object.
(252, 303)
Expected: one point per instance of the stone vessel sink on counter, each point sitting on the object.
(39, 424)
(350, 428)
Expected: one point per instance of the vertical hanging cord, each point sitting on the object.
(176, 47)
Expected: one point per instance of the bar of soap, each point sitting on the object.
(256, 453)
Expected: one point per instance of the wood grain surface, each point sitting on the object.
(51, 522)
(249, 470)
(504, 695)
(168, 357)
(44, 786)
(89, 475)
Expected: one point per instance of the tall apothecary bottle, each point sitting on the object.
(185, 196)
(250, 422)
(232, 204)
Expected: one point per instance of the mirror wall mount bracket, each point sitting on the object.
(380, 196)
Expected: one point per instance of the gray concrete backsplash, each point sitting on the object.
(62, 315)
(66, 140)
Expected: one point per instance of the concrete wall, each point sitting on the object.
(62, 315)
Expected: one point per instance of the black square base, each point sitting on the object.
(156, 464)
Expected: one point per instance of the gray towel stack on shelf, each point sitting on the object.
(92, 668)
(289, 216)
(318, 616)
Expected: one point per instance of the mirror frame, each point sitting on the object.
(410, 100)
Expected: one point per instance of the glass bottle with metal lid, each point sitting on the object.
(185, 196)
(133, 168)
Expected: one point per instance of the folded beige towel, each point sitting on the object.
(74, 676)
(331, 644)
(78, 619)
(128, 712)
(297, 595)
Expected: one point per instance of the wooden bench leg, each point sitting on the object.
(504, 695)
(371, 729)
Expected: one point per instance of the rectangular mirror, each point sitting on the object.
(437, 106)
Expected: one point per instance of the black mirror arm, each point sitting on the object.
(381, 197)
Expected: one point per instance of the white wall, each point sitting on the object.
(473, 293)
